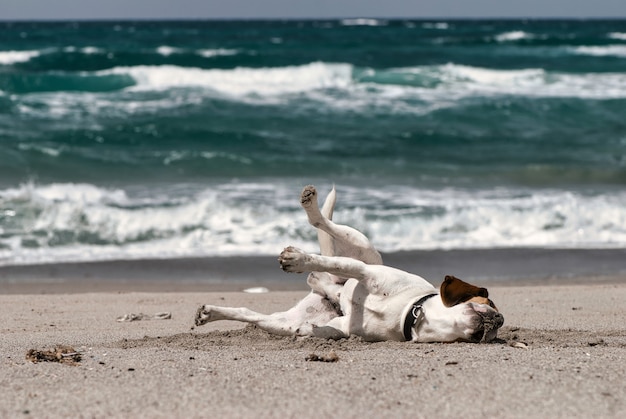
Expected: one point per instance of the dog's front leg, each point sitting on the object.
(295, 260)
(377, 279)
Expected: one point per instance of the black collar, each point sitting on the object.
(412, 316)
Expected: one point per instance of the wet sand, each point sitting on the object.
(486, 266)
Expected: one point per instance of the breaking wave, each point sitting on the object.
(78, 222)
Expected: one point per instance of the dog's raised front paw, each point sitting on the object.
(292, 259)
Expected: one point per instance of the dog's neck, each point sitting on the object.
(413, 315)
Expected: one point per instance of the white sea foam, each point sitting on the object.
(92, 50)
(425, 89)
(219, 52)
(318, 87)
(363, 22)
(501, 219)
(121, 226)
(436, 25)
(167, 50)
(458, 81)
(513, 36)
(63, 222)
(81, 109)
(241, 81)
(13, 57)
(498, 79)
(450, 80)
(49, 151)
(602, 51)
(617, 35)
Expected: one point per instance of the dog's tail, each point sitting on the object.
(327, 245)
(329, 204)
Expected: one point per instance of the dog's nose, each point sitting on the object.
(491, 319)
(498, 320)
(491, 323)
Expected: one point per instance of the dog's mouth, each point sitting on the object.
(491, 322)
(477, 336)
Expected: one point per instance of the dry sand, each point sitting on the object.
(561, 353)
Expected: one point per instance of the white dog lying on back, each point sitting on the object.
(352, 293)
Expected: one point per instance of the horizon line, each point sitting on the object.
(338, 18)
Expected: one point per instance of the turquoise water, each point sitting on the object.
(169, 139)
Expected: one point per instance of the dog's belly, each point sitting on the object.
(314, 309)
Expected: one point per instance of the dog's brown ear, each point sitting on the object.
(454, 291)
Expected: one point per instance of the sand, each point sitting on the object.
(561, 353)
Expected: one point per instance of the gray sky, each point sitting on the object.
(207, 9)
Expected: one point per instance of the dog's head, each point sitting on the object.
(453, 292)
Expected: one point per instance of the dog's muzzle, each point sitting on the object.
(491, 321)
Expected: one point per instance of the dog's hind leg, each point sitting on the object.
(273, 323)
(311, 311)
(327, 285)
(336, 239)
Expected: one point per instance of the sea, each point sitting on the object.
(125, 140)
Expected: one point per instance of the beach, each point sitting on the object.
(560, 353)
(149, 167)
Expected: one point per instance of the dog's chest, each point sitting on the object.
(380, 316)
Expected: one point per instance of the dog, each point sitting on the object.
(353, 293)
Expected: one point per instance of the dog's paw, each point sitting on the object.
(308, 196)
(308, 200)
(203, 315)
(292, 259)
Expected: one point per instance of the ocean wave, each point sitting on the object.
(318, 87)
(601, 51)
(436, 25)
(240, 81)
(363, 22)
(442, 84)
(48, 151)
(617, 35)
(499, 218)
(13, 57)
(81, 222)
(513, 36)
(217, 52)
(55, 81)
(334, 86)
(366, 84)
(166, 51)
(89, 50)
(18, 57)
